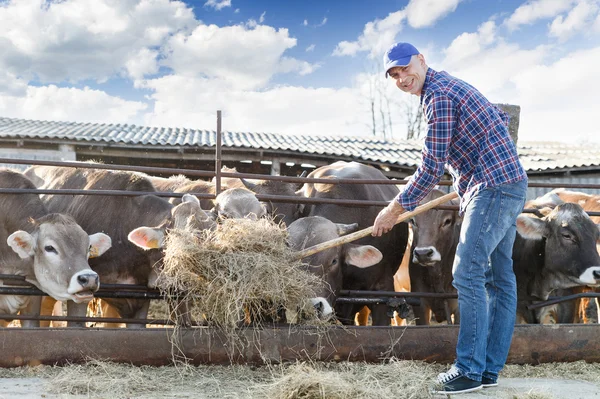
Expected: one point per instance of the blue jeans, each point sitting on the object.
(485, 280)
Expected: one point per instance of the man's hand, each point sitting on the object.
(386, 219)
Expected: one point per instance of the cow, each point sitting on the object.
(124, 263)
(285, 212)
(587, 307)
(49, 250)
(435, 237)
(557, 251)
(328, 264)
(391, 245)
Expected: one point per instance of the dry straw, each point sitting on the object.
(242, 271)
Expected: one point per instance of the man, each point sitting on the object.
(469, 135)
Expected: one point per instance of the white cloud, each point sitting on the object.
(262, 17)
(242, 56)
(287, 65)
(12, 85)
(142, 64)
(377, 36)
(470, 44)
(191, 102)
(535, 10)
(323, 22)
(423, 13)
(218, 4)
(305, 23)
(552, 100)
(310, 48)
(70, 104)
(77, 39)
(579, 18)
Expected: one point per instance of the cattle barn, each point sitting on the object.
(264, 153)
(275, 154)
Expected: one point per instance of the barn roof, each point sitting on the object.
(536, 156)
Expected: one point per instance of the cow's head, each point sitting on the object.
(285, 212)
(187, 214)
(328, 264)
(435, 233)
(59, 249)
(238, 203)
(571, 258)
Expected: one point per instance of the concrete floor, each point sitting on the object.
(508, 388)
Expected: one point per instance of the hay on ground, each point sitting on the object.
(242, 268)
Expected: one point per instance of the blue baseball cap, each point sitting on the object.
(398, 55)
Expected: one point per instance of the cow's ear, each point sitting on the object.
(99, 244)
(147, 237)
(531, 227)
(344, 229)
(190, 198)
(22, 243)
(362, 255)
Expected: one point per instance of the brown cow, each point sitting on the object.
(328, 264)
(391, 245)
(50, 250)
(125, 263)
(588, 307)
(435, 237)
(555, 252)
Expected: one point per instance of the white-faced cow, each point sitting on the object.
(435, 236)
(391, 245)
(557, 251)
(328, 264)
(124, 263)
(285, 212)
(50, 250)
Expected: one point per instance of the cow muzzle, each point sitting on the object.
(426, 256)
(591, 276)
(83, 285)
(322, 306)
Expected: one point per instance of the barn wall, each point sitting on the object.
(591, 178)
(64, 153)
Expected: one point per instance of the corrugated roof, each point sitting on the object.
(401, 152)
(536, 156)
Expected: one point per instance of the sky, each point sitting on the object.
(309, 67)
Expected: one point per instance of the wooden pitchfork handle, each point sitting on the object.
(367, 231)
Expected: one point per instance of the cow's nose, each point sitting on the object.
(89, 280)
(423, 253)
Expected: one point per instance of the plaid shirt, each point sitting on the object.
(466, 133)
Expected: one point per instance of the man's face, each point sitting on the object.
(410, 78)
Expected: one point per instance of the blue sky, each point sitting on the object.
(301, 67)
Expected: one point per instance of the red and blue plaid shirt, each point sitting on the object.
(466, 133)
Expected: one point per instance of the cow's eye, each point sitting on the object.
(447, 223)
(50, 248)
(334, 262)
(568, 236)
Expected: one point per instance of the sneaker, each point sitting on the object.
(488, 382)
(453, 381)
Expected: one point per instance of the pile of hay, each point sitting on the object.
(239, 273)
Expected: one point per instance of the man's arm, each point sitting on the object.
(441, 121)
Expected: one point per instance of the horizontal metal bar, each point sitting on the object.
(399, 294)
(531, 344)
(555, 300)
(375, 301)
(86, 319)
